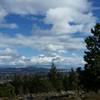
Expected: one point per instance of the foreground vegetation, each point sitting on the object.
(36, 84)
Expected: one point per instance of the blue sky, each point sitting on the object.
(39, 31)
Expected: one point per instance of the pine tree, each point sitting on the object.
(91, 76)
(55, 79)
(53, 72)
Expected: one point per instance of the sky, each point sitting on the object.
(41, 31)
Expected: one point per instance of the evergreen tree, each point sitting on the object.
(73, 80)
(55, 78)
(53, 72)
(91, 79)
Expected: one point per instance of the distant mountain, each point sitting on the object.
(26, 70)
(25, 66)
(33, 69)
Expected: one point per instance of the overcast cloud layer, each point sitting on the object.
(67, 17)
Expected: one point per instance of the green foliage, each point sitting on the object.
(7, 90)
(91, 74)
(66, 83)
(55, 78)
(71, 81)
(31, 84)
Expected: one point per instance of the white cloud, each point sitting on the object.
(40, 6)
(76, 61)
(44, 43)
(62, 17)
(55, 48)
(10, 56)
(3, 13)
(10, 26)
(8, 52)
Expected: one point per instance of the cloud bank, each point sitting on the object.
(10, 56)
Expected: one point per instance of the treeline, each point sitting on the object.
(54, 81)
